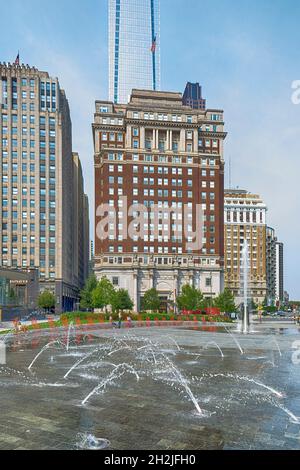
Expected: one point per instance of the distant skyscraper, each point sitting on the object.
(193, 96)
(134, 47)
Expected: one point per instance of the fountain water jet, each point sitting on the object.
(71, 327)
(115, 374)
(214, 343)
(184, 383)
(117, 350)
(148, 346)
(90, 442)
(244, 278)
(174, 341)
(89, 354)
(235, 340)
(44, 349)
(247, 379)
(273, 340)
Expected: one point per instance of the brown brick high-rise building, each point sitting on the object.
(167, 157)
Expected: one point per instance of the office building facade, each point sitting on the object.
(245, 219)
(271, 265)
(279, 273)
(157, 154)
(134, 47)
(37, 185)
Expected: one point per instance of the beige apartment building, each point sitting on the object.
(245, 219)
(160, 154)
(44, 216)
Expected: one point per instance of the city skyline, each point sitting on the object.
(249, 75)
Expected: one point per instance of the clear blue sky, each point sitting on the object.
(245, 54)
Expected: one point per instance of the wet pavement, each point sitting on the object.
(180, 388)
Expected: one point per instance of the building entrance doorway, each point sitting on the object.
(164, 303)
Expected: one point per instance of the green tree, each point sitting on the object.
(46, 300)
(190, 298)
(103, 294)
(12, 296)
(86, 302)
(225, 302)
(252, 304)
(151, 300)
(121, 300)
(265, 303)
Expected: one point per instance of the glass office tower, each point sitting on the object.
(134, 47)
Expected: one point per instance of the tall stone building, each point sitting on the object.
(38, 182)
(279, 273)
(86, 238)
(168, 158)
(81, 225)
(245, 219)
(271, 265)
(275, 269)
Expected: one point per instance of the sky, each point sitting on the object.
(244, 53)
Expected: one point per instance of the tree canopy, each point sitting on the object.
(190, 298)
(225, 302)
(86, 301)
(46, 300)
(151, 300)
(121, 300)
(103, 294)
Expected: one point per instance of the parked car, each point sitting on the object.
(233, 316)
(281, 314)
(35, 315)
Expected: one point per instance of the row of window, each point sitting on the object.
(249, 216)
(25, 142)
(205, 207)
(163, 159)
(162, 250)
(15, 131)
(152, 193)
(112, 136)
(173, 117)
(24, 166)
(14, 155)
(25, 82)
(14, 263)
(113, 121)
(42, 240)
(14, 226)
(15, 202)
(25, 118)
(161, 170)
(14, 216)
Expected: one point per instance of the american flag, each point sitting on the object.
(17, 61)
(153, 48)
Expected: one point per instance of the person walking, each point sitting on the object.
(120, 320)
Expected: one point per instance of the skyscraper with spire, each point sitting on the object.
(134, 47)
